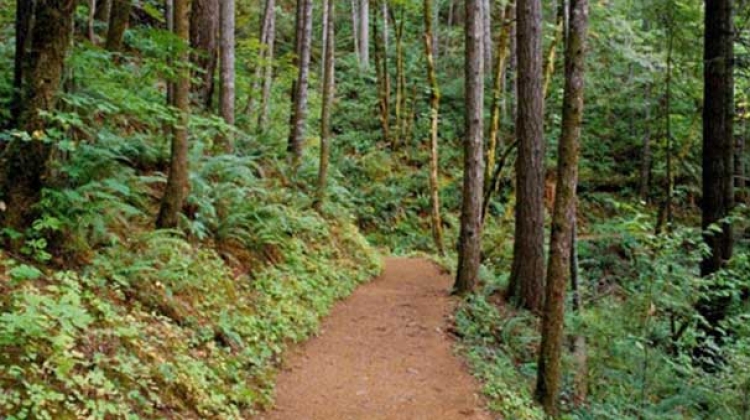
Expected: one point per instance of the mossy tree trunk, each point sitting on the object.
(299, 97)
(437, 224)
(328, 97)
(227, 73)
(119, 19)
(178, 180)
(43, 29)
(549, 373)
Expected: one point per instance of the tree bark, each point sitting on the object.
(299, 111)
(204, 31)
(328, 97)
(227, 73)
(43, 36)
(268, 38)
(498, 99)
(487, 35)
(119, 19)
(549, 373)
(470, 244)
(103, 10)
(178, 182)
(437, 228)
(718, 185)
(364, 34)
(526, 288)
(384, 79)
(355, 28)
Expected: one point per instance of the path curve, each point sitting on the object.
(382, 354)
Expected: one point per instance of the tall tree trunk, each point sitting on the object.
(90, 29)
(328, 97)
(119, 19)
(549, 373)
(400, 110)
(526, 288)
(299, 111)
(178, 182)
(43, 36)
(355, 28)
(364, 34)
(498, 99)
(204, 31)
(103, 10)
(645, 170)
(470, 244)
(268, 38)
(487, 35)
(437, 228)
(227, 93)
(718, 186)
(384, 79)
(549, 58)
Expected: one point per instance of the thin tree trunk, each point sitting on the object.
(549, 373)
(470, 244)
(549, 58)
(227, 93)
(268, 57)
(384, 80)
(204, 31)
(400, 81)
(43, 36)
(645, 173)
(299, 112)
(526, 288)
(487, 35)
(437, 228)
(91, 34)
(364, 34)
(178, 182)
(328, 98)
(498, 100)
(119, 19)
(355, 28)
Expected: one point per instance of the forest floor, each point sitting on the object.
(384, 353)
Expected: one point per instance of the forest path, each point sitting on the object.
(383, 353)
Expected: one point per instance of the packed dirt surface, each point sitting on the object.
(384, 353)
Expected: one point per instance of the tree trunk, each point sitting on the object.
(549, 58)
(355, 28)
(299, 111)
(470, 244)
(384, 79)
(437, 228)
(364, 34)
(526, 286)
(227, 93)
(328, 97)
(549, 373)
(645, 172)
(178, 182)
(103, 10)
(400, 80)
(498, 101)
(718, 186)
(204, 31)
(119, 19)
(487, 35)
(268, 38)
(43, 37)
(90, 32)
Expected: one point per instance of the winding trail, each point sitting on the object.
(382, 354)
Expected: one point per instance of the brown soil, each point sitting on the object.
(382, 354)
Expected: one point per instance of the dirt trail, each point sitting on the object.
(382, 354)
